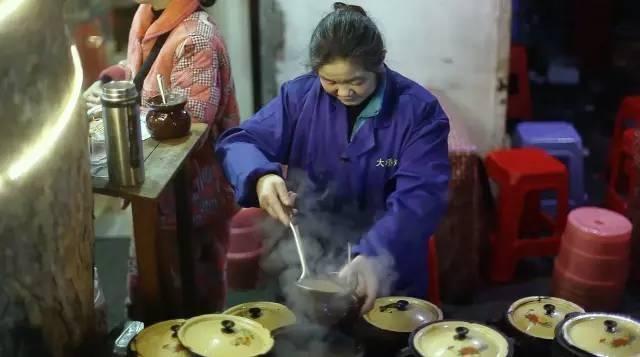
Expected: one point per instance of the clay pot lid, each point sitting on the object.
(402, 314)
(225, 335)
(459, 338)
(602, 334)
(159, 340)
(538, 316)
(269, 314)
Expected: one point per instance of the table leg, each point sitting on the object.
(182, 190)
(148, 302)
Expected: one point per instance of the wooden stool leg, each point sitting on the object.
(504, 259)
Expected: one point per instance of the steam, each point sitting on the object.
(326, 225)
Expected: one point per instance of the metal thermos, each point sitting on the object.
(121, 117)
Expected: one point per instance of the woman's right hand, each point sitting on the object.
(274, 197)
(92, 94)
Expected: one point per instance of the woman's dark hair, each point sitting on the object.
(347, 32)
(207, 3)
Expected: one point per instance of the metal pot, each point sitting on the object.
(224, 335)
(270, 315)
(531, 322)
(457, 338)
(597, 334)
(159, 340)
(385, 329)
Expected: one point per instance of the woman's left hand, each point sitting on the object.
(361, 272)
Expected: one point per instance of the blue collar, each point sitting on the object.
(375, 103)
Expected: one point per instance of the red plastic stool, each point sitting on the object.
(519, 102)
(521, 174)
(245, 249)
(593, 264)
(628, 116)
(623, 176)
(433, 294)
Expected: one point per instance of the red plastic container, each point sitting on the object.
(245, 249)
(593, 264)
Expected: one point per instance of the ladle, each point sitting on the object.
(299, 248)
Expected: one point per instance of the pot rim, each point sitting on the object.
(516, 304)
(500, 333)
(175, 100)
(562, 336)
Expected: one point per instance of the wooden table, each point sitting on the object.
(163, 163)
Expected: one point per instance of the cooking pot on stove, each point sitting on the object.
(270, 315)
(385, 329)
(159, 340)
(324, 300)
(457, 338)
(224, 335)
(597, 334)
(532, 321)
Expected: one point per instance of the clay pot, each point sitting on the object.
(458, 338)
(532, 321)
(385, 329)
(168, 120)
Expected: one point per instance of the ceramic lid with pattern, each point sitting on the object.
(459, 338)
(225, 335)
(159, 340)
(402, 314)
(603, 334)
(538, 316)
(269, 314)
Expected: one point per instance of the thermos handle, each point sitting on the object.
(134, 147)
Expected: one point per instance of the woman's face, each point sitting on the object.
(349, 82)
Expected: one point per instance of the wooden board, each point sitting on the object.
(162, 161)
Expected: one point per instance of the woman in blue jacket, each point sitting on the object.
(372, 147)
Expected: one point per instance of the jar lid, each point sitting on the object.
(117, 91)
(159, 340)
(402, 314)
(603, 334)
(538, 316)
(225, 335)
(269, 314)
(459, 338)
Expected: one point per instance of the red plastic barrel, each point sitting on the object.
(593, 264)
(245, 249)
